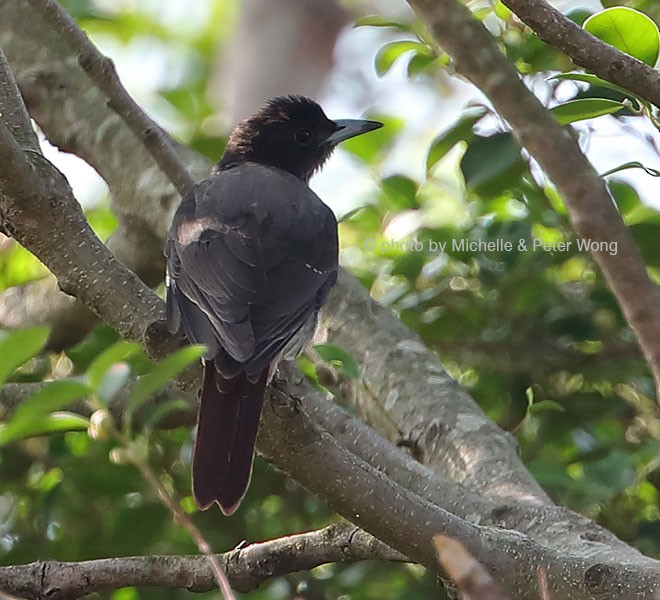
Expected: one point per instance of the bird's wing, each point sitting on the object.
(252, 255)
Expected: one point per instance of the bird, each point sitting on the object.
(252, 254)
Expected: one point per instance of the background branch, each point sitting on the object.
(102, 72)
(593, 213)
(76, 118)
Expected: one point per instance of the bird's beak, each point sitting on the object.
(348, 128)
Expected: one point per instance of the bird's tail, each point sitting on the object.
(226, 433)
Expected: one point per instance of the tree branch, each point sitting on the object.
(398, 516)
(38, 209)
(76, 118)
(247, 567)
(590, 207)
(36, 194)
(586, 50)
(350, 486)
(406, 395)
(13, 111)
(101, 71)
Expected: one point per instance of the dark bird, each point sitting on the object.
(251, 258)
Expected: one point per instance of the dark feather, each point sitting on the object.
(226, 432)
(257, 270)
(251, 257)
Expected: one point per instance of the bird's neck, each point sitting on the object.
(230, 161)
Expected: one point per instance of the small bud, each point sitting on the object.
(100, 426)
(118, 456)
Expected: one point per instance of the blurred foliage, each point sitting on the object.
(478, 257)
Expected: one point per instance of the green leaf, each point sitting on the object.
(410, 265)
(17, 347)
(501, 11)
(115, 378)
(161, 373)
(389, 53)
(160, 412)
(625, 196)
(614, 472)
(32, 416)
(545, 406)
(118, 352)
(628, 30)
(42, 425)
(491, 164)
(53, 396)
(349, 214)
(587, 108)
(595, 81)
(579, 15)
(308, 369)
(632, 165)
(529, 394)
(646, 236)
(401, 192)
(338, 357)
(458, 132)
(420, 63)
(369, 148)
(377, 21)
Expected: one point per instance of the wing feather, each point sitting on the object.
(252, 255)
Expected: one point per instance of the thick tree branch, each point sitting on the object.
(524, 513)
(356, 489)
(75, 117)
(16, 174)
(246, 567)
(381, 506)
(36, 198)
(591, 209)
(13, 111)
(586, 50)
(405, 393)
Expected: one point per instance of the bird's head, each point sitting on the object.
(290, 133)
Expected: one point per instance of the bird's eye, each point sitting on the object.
(303, 136)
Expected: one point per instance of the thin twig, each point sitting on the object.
(181, 518)
(102, 72)
(542, 575)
